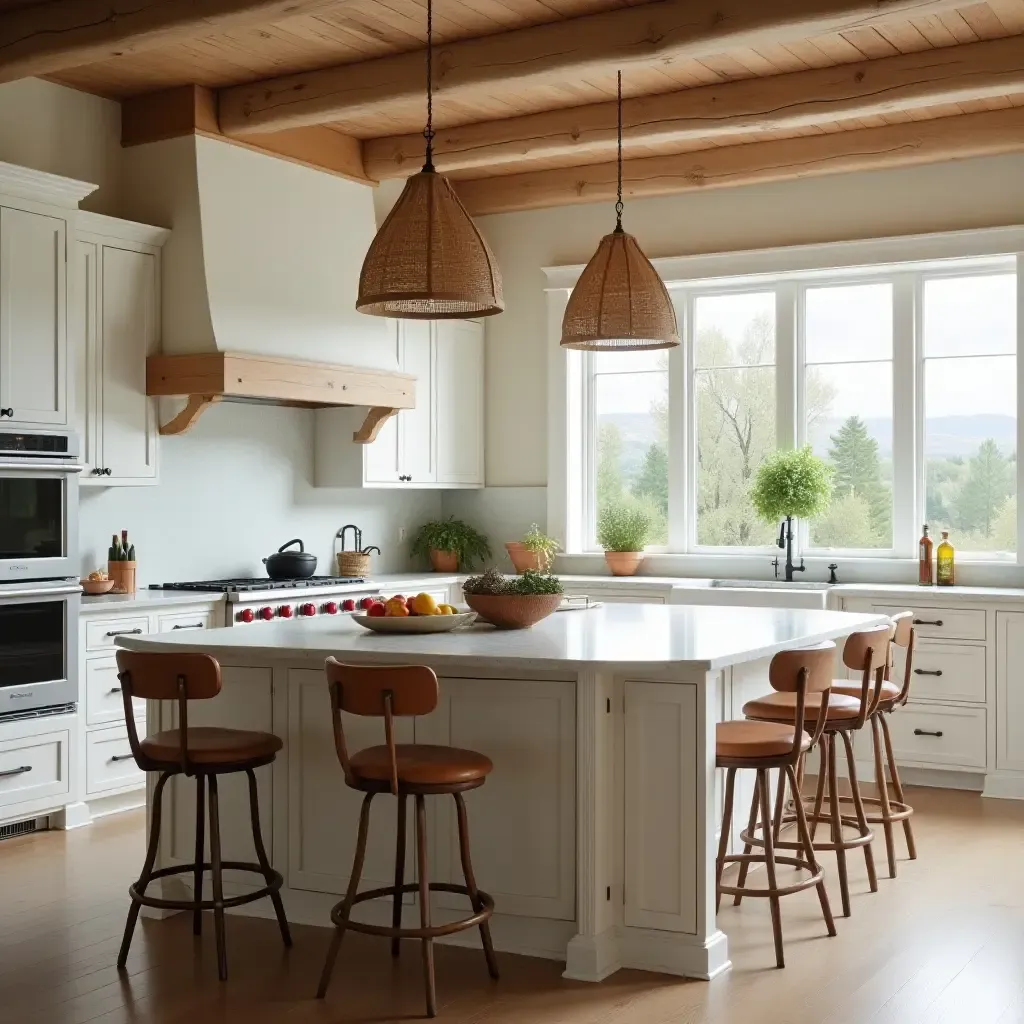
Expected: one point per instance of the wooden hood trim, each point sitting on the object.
(206, 379)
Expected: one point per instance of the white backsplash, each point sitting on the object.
(234, 489)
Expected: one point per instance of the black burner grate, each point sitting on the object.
(241, 586)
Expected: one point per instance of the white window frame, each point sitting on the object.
(906, 261)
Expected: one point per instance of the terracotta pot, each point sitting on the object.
(523, 558)
(513, 611)
(444, 561)
(623, 563)
(123, 575)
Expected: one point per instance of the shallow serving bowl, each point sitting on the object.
(514, 611)
(97, 586)
(414, 623)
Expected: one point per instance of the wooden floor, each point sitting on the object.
(942, 943)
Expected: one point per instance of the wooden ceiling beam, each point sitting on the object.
(58, 34)
(586, 134)
(192, 110)
(647, 35)
(899, 145)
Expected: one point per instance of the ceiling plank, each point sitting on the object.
(49, 37)
(192, 110)
(899, 145)
(651, 34)
(975, 71)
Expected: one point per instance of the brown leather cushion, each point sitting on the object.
(756, 739)
(208, 745)
(422, 764)
(781, 707)
(890, 691)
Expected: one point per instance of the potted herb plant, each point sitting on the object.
(513, 602)
(792, 485)
(622, 530)
(450, 543)
(535, 551)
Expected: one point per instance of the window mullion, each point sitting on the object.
(787, 386)
(1020, 418)
(680, 436)
(907, 468)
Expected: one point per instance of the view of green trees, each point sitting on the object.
(973, 496)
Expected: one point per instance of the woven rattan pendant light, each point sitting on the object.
(429, 260)
(619, 304)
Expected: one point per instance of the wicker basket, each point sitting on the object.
(353, 563)
(513, 611)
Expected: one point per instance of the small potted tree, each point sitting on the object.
(450, 543)
(792, 485)
(622, 530)
(535, 551)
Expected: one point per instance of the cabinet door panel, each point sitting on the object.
(84, 356)
(382, 458)
(33, 341)
(417, 425)
(1009, 691)
(460, 385)
(128, 334)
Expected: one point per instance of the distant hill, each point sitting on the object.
(638, 433)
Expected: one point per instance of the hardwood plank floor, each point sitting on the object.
(942, 944)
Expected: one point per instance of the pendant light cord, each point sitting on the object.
(618, 203)
(428, 132)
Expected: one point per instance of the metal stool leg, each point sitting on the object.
(217, 875)
(897, 786)
(837, 821)
(755, 803)
(858, 806)
(261, 856)
(769, 854)
(424, 880)
(805, 838)
(396, 909)
(474, 897)
(350, 895)
(197, 873)
(723, 842)
(147, 870)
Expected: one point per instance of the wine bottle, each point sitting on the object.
(924, 559)
(945, 574)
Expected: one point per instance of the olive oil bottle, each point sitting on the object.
(945, 574)
(925, 572)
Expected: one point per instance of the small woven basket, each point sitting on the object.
(353, 563)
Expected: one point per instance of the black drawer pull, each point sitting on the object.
(114, 689)
(927, 622)
(123, 632)
(122, 757)
(928, 732)
(927, 671)
(16, 771)
(191, 625)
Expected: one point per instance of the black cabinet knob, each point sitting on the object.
(6, 412)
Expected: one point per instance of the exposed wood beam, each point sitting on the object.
(899, 145)
(910, 81)
(647, 35)
(192, 110)
(48, 37)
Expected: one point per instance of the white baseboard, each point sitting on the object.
(673, 953)
(72, 816)
(1004, 786)
(592, 957)
(86, 811)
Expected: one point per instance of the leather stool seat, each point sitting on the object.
(208, 745)
(775, 707)
(756, 739)
(422, 764)
(890, 691)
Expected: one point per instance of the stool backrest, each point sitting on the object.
(168, 675)
(378, 691)
(868, 653)
(803, 671)
(903, 636)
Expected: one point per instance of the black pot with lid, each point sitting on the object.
(290, 565)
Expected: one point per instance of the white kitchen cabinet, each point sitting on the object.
(1010, 691)
(439, 443)
(117, 268)
(33, 319)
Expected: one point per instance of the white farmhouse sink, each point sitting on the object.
(770, 585)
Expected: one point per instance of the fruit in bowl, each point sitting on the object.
(97, 582)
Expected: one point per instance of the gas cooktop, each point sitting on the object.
(241, 586)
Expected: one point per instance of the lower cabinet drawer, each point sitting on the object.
(933, 734)
(109, 763)
(103, 702)
(101, 634)
(34, 768)
(172, 622)
(944, 672)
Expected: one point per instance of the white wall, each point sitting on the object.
(234, 489)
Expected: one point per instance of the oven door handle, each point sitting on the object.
(36, 592)
(59, 466)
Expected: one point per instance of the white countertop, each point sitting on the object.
(614, 636)
(145, 599)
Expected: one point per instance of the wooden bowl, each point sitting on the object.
(413, 623)
(97, 586)
(513, 611)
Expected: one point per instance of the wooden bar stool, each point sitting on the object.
(890, 809)
(868, 652)
(205, 753)
(404, 769)
(761, 746)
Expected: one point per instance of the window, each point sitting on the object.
(901, 375)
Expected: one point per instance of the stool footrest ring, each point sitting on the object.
(275, 883)
(814, 876)
(431, 932)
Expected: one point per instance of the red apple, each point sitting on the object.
(348, 605)
(366, 602)
(376, 609)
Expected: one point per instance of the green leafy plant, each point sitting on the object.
(452, 535)
(530, 582)
(793, 483)
(541, 544)
(623, 526)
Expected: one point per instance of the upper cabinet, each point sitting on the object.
(114, 327)
(33, 319)
(439, 443)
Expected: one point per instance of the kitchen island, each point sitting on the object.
(597, 831)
